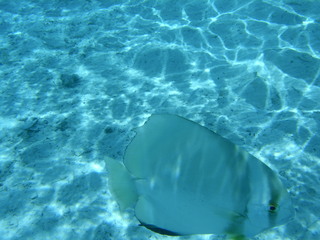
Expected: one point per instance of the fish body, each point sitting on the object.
(185, 179)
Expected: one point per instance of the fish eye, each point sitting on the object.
(272, 208)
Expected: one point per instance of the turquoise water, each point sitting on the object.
(76, 77)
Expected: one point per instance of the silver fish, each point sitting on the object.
(183, 179)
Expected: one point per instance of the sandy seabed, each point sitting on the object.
(76, 78)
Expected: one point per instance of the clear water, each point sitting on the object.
(77, 76)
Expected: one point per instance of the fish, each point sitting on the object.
(183, 179)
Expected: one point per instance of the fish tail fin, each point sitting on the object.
(121, 184)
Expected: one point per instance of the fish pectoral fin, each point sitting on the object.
(236, 216)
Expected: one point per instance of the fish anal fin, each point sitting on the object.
(159, 230)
